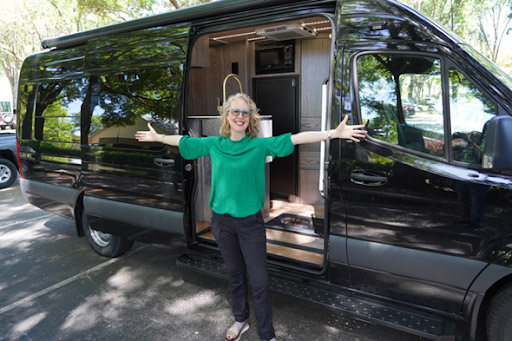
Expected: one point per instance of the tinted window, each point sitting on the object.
(57, 111)
(470, 109)
(124, 103)
(401, 102)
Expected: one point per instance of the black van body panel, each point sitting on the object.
(395, 225)
(103, 93)
(396, 25)
(415, 212)
(492, 274)
(419, 275)
(122, 217)
(404, 241)
(53, 65)
(52, 198)
(207, 12)
(148, 48)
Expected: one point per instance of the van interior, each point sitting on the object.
(282, 66)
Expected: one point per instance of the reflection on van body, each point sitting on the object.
(415, 220)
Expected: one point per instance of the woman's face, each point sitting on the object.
(238, 123)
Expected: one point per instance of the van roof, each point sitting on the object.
(199, 12)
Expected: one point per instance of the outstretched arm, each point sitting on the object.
(152, 136)
(343, 131)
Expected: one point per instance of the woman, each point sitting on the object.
(237, 196)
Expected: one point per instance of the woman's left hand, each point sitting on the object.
(352, 132)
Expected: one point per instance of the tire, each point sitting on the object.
(8, 173)
(499, 316)
(105, 244)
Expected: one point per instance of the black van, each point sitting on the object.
(411, 228)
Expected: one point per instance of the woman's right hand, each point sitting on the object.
(148, 136)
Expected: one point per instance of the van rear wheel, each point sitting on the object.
(105, 244)
(499, 316)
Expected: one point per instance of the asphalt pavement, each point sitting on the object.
(54, 287)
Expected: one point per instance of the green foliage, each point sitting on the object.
(26, 23)
(482, 23)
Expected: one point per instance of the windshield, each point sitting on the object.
(506, 79)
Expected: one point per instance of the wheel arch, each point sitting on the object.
(8, 155)
(78, 212)
(482, 311)
(489, 282)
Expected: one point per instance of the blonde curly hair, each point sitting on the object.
(252, 128)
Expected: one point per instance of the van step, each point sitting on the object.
(410, 321)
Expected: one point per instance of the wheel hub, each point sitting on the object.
(5, 173)
(101, 238)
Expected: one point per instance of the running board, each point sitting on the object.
(410, 321)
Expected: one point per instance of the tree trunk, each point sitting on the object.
(176, 4)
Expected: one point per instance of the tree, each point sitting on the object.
(187, 3)
(450, 13)
(25, 23)
(483, 24)
(175, 3)
(493, 23)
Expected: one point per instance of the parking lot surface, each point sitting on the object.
(54, 287)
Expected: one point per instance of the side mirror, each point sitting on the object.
(498, 146)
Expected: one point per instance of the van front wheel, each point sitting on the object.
(105, 244)
(499, 316)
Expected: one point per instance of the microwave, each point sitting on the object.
(275, 57)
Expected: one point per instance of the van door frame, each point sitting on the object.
(198, 30)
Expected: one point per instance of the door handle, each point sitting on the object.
(161, 162)
(368, 178)
(321, 178)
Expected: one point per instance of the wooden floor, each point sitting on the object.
(286, 251)
(287, 244)
(278, 207)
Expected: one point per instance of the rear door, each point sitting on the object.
(135, 78)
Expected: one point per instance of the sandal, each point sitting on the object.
(234, 333)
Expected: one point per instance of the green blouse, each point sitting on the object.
(238, 169)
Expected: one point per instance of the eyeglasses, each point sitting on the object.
(237, 112)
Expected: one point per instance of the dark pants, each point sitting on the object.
(472, 198)
(242, 242)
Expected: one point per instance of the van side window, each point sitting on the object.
(470, 109)
(125, 102)
(57, 111)
(400, 98)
